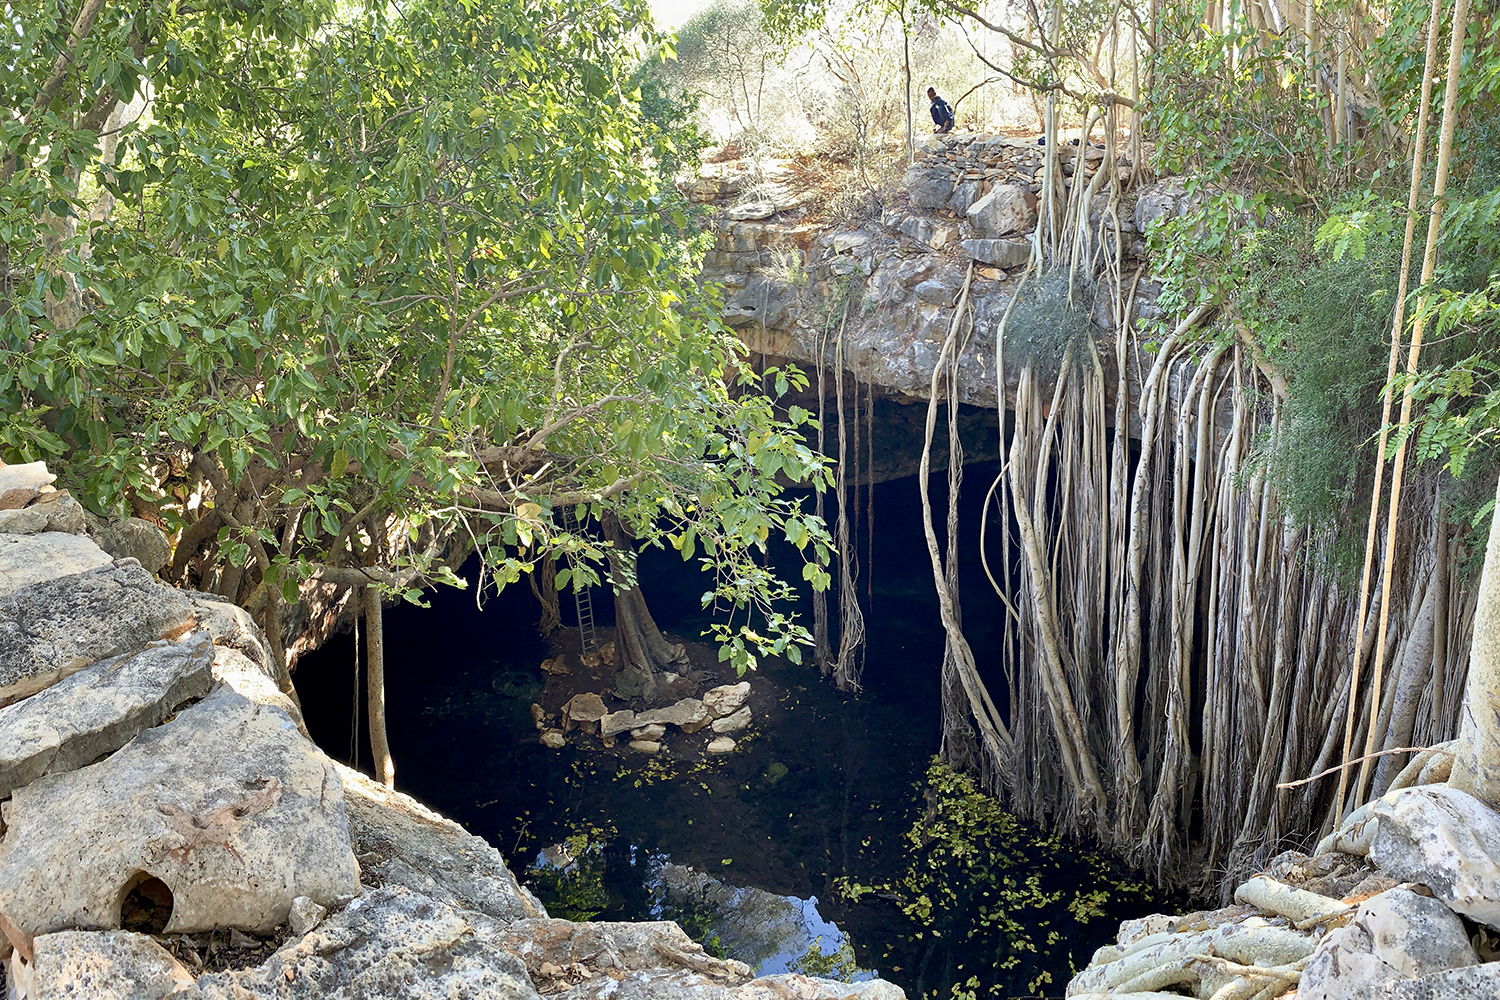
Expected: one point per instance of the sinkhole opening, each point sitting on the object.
(145, 904)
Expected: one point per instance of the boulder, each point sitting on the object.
(235, 670)
(305, 915)
(1394, 936)
(645, 746)
(19, 483)
(688, 711)
(63, 513)
(553, 739)
(587, 707)
(999, 253)
(844, 242)
(227, 805)
(54, 628)
(930, 189)
(652, 732)
(400, 842)
(1007, 209)
(231, 625)
(727, 699)
(616, 723)
(965, 193)
(733, 723)
(1157, 202)
(114, 965)
(22, 521)
(1446, 840)
(100, 709)
(752, 210)
(1472, 982)
(132, 538)
(936, 292)
(615, 947)
(391, 943)
(26, 560)
(721, 744)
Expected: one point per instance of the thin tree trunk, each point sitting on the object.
(640, 649)
(1477, 769)
(380, 747)
(1429, 264)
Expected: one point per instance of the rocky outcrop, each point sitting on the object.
(160, 797)
(1332, 926)
(968, 199)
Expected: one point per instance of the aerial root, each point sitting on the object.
(1214, 958)
(1303, 908)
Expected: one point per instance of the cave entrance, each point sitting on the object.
(145, 904)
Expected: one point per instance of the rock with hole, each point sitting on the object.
(227, 806)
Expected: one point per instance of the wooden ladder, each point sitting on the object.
(583, 597)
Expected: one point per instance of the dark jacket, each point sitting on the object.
(942, 114)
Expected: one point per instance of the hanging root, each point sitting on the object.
(1249, 949)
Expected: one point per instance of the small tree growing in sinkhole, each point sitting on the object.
(339, 293)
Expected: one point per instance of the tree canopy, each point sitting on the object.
(343, 291)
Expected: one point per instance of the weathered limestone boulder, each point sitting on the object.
(54, 628)
(999, 252)
(732, 723)
(400, 842)
(586, 707)
(726, 699)
(305, 915)
(652, 732)
(20, 483)
(645, 746)
(132, 538)
(228, 805)
(114, 965)
(616, 723)
(389, 943)
(687, 712)
(26, 560)
(100, 709)
(235, 670)
(62, 512)
(721, 745)
(1469, 983)
(612, 945)
(1394, 936)
(22, 521)
(553, 739)
(1446, 840)
(1008, 208)
(231, 625)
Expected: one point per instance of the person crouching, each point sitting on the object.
(942, 113)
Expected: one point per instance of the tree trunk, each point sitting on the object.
(380, 748)
(640, 648)
(1477, 769)
(911, 142)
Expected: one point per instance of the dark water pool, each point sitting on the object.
(825, 844)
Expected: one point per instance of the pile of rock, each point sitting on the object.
(1407, 907)
(161, 808)
(721, 710)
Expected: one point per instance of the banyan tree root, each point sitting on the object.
(1164, 960)
(1303, 908)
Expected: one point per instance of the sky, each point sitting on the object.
(671, 13)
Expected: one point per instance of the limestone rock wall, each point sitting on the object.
(167, 828)
(967, 199)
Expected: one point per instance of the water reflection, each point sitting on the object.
(576, 879)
